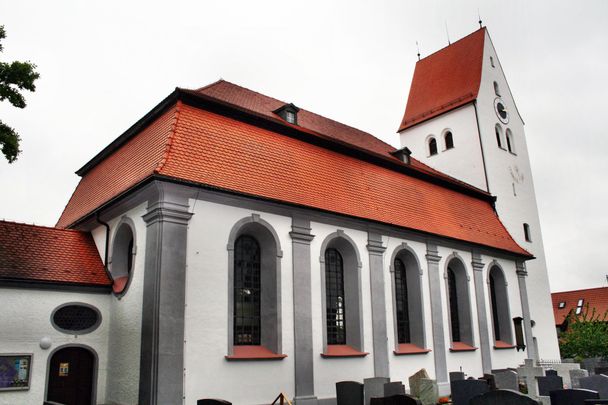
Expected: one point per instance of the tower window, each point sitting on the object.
(510, 143)
(432, 146)
(492, 61)
(496, 89)
(498, 131)
(449, 140)
(527, 233)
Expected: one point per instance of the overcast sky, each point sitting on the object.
(103, 65)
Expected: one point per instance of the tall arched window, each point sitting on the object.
(449, 140)
(498, 130)
(510, 144)
(500, 307)
(454, 310)
(496, 89)
(121, 267)
(401, 301)
(461, 326)
(247, 291)
(335, 302)
(432, 146)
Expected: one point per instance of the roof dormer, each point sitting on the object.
(289, 113)
(402, 154)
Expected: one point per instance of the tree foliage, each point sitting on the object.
(14, 78)
(586, 336)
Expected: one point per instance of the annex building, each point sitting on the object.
(231, 245)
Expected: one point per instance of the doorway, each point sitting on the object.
(71, 373)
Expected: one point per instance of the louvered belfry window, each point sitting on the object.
(454, 317)
(247, 291)
(401, 297)
(334, 294)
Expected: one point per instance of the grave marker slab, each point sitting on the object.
(395, 400)
(349, 393)
(528, 372)
(210, 401)
(572, 396)
(503, 397)
(597, 383)
(414, 382)
(506, 380)
(456, 376)
(549, 383)
(464, 390)
(550, 371)
(374, 387)
(429, 392)
(576, 375)
(394, 388)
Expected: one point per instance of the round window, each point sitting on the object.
(76, 319)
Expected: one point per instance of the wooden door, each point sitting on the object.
(71, 376)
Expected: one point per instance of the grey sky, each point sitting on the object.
(105, 64)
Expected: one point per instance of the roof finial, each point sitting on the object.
(418, 48)
(480, 22)
(447, 33)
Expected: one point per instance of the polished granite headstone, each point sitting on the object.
(402, 399)
(576, 375)
(394, 388)
(464, 390)
(456, 376)
(212, 402)
(349, 393)
(374, 387)
(503, 397)
(572, 396)
(506, 380)
(597, 383)
(549, 383)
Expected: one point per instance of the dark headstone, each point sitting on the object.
(490, 380)
(374, 387)
(456, 376)
(212, 402)
(464, 390)
(394, 388)
(572, 396)
(601, 370)
(576, 375)
(549, 383)
(395, 400)
(503, 397)
(597, 383)
(550, 372)
(349, 393)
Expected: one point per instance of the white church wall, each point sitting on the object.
(26, 319)
(207, 373)
(464, 160)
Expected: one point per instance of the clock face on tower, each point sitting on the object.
(501, 110)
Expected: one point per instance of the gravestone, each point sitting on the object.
(572, 397)
(601, 370)
(456, 376)
(374, 387)
(491, 380)
(528, 372)
(597, 383)
(402, 399)
(576, 375)
(464, 390)
(503, 397)
(414, 382)
(506, 380)
(212, 402)
(394, 388)
(550, 372)
(563, 370)
(429, 392)
(549, 383)
(349, 393)
(592, 363)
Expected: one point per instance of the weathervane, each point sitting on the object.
(418, 48)
(479, 15)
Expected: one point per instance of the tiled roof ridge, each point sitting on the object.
(579, 290)
(54, 228)
(303, 109)
(453, 43)
(169, 142)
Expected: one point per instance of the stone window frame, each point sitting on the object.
(271, 323)
(77, 332)
(465, 308)
(352, 267)
(444, 137)
(415, 302)
(503, 308)
(429, 139)
(117, 257)
(499, 133)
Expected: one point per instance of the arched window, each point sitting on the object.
(492, 61)
(407, 303)
(500, 307)
(496, 89)
(449, 140)
(432, 146)
(498, 130)
(510, 144)
(527, 234)
(335, 303)
(247, 291)
(121, 266)
(459, 306)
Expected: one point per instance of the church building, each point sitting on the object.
(231, 245)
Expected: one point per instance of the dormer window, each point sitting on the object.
(289, 113)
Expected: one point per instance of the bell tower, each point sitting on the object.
(461, 118)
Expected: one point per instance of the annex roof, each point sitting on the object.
(596, 298)
(216, 150)
(446, 79)
(31, 253)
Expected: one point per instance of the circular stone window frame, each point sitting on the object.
(77, 332)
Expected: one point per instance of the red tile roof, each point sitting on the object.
(595, 297)
(446, 79)
(33, 253)
(227, 154)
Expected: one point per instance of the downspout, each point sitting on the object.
(105, 259)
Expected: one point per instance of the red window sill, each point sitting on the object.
(408, 348)
(253, 353)
(342, 351)
(462, 347)
(500, 345)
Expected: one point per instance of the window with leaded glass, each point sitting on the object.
(401, 298)
(334, 298)
(247, 290)
(454, 316)
(495, 319)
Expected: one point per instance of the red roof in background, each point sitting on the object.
(34, 253)
(596, 298)
(446, 79)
